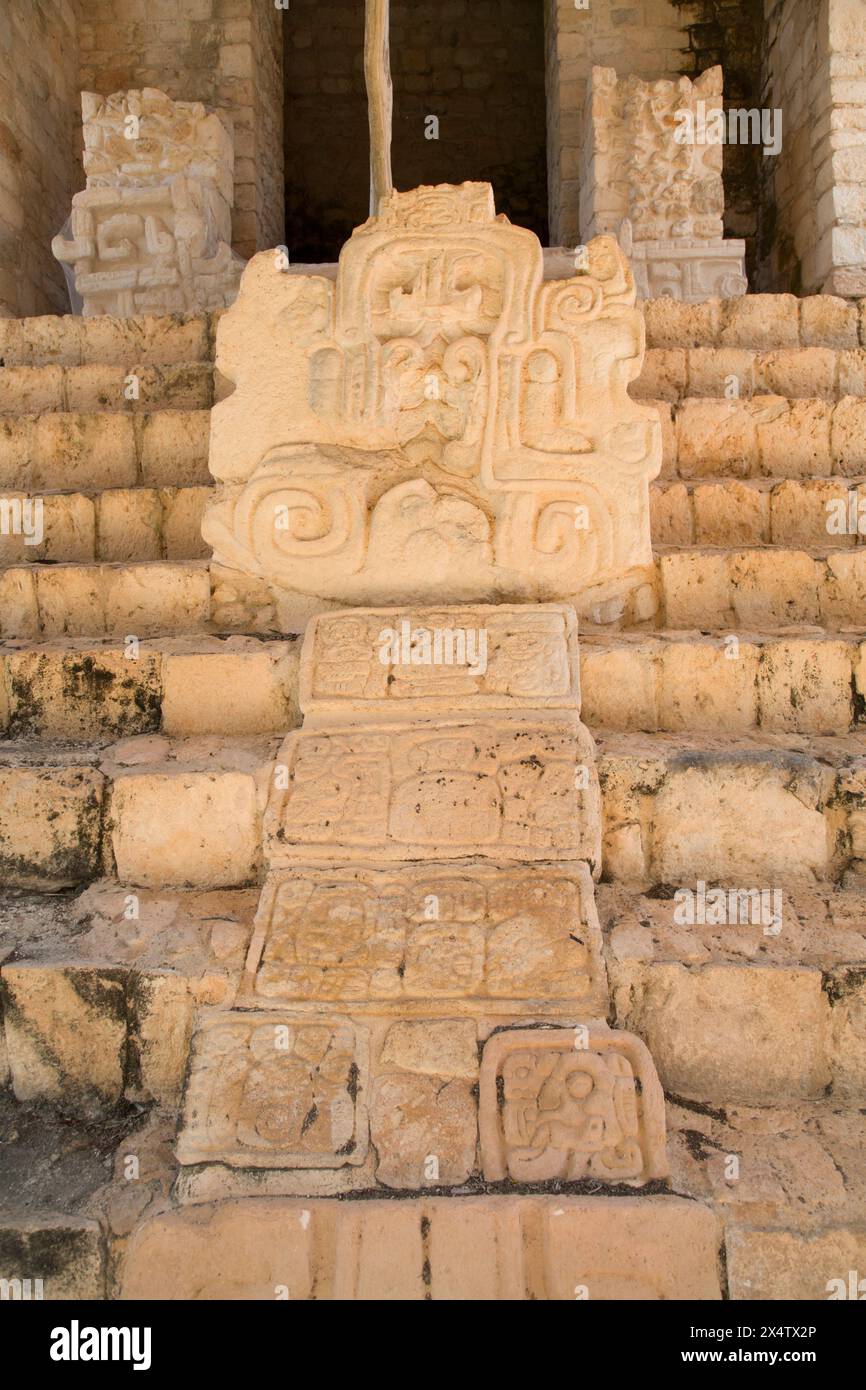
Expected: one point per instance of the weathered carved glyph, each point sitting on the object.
(570, 1103)
(652, 178)
(151, 232)
(439, 424)
(430, 835)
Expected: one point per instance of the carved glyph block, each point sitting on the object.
(570, 1103)
(439, 424)
(151, 232)
(270, 1090)
(415, 661)
(458, 938)
(498, 788)
(651, 176)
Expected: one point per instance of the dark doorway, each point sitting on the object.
(476, 66)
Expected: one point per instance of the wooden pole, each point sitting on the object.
(380, 98)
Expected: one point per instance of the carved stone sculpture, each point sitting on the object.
(151, 232)
(652, 176)
(440, 422)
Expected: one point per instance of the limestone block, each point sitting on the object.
(435, 1047)
(94, 387)
(161, 340)
(477, 1248)
(774, 588)
(764, 322)
(83, 451)
(767, 1264)
(693, 585)
(827, 321)
(151, 232)
(424, 1132)
(843, 588)
(848, 436)
(66, 1253)
(242, 687)
(801, 514)
(716, 437)
(83, 695)
(277, 1090)
(713, 371)
(847, 1042)
(731, 514)
(499, 786)
(619, 686)
(463, 937)
(672, 324)
(709, 686)
(671, 515)
(19, 608)
(805, 685)
(154, 599)
(797, 373)
(65, 1034)
(50, 819)
(182, 512)
(852, 372)
(335, 495)
(794, 437)
(30, 390)
(664, 376)
(130, 522)
(174, 448)
(570, 1103)
(417, 661)
(722, 1034)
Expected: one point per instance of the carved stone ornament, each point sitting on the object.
(439, 424)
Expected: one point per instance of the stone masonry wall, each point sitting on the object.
(225, 53)
(39, 163)
(645, 39)
(477, 65)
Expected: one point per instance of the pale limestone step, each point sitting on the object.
(466, 1248)
(758, 321)
(724, 682)
(768, 810)
(124, 600)
(70, 341)
(823, 373)
(88, 452)
(676, 808)
(761, 588)
(115, 525)
(729, 512)
(133, 389)
(711, 979)
(770, 436)
(76, 690)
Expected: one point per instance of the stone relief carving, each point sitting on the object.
(443, 932)
(151, 232)
(274, 1090)
(662, 197)
(570, 1103)
(440, 423)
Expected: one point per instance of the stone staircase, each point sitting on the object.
(140, 737)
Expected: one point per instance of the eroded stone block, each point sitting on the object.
(501, 787)
(465, 934)
(276, 1090)
(570, 1103)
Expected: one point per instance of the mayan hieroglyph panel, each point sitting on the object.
(406, 661)
(499, 788)
(570, 1103)
(438, 424)
(453, 938)
(151, 233)
(269, 1090)
(651, 175)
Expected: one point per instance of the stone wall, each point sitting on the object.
(476, 65)
(39, 163)
(225, 53)
(646, 39)
(816, 71)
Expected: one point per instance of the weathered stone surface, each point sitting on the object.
(468, 936)
(277, 1090)
(424, 1130)
(444, 659)
(495, 382)
(50, 825)
(66, 1254)
(778, 1265)
(438, 1047)
(570, 1103)
(436, 790)
(511, 1248)
(151, 233)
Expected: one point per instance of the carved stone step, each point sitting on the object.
(730, 512)
(113, 526)
(758, 321)
(134, 389)
(769, 587)
(768, 436)
(139, 600)
(469, 1248)
(72, 341)
(825, 373)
